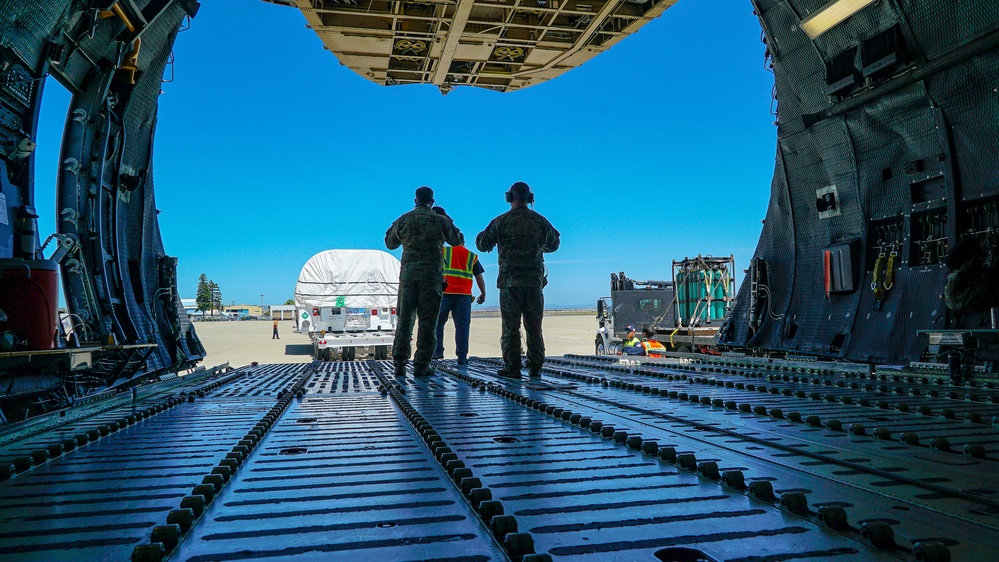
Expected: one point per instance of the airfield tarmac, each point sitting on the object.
(242, 342)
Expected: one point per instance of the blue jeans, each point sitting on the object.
(460, 308)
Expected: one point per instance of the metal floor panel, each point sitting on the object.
(913, 513)
(267, 382)
(100, 500)
(340, 378)
(340, 477)
(596, 460)
(542, 472)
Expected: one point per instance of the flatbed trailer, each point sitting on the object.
(685, 313)
(325, 345)
(687, 339)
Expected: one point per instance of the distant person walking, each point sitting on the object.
(422, 234)
(460, 267)
(522, 236)
(275, 336)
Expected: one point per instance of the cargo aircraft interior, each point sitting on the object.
(848, 409)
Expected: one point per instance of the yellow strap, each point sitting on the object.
(889, 281)
(876, 283)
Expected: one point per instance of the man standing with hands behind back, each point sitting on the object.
(460, 267)
(523, 236)
(421, 233)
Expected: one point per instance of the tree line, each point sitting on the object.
(209, 296)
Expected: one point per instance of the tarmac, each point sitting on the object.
(241, 342)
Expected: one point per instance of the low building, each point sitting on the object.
(283, 312)
(244, 310)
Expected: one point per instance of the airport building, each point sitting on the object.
(282, 312)
(244, 310)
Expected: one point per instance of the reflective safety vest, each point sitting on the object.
(458, 264)
(653, 348)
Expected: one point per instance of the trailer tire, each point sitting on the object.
(599, 348)
(381, 352)
(683, 349)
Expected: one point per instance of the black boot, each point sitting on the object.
(534, 370)
(510, 372)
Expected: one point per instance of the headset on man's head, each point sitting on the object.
(526, 192)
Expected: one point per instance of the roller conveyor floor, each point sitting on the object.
(600, 459)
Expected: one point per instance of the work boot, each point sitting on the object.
(509, 372)
(535, 372)
(423, 371)
(400, 370)
(463, 360)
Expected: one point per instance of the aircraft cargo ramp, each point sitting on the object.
(681, 458)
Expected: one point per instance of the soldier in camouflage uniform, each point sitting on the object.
(421, 233)
(523, 236)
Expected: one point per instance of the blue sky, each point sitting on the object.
(268, 151)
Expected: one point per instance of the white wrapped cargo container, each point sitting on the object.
(346, 299)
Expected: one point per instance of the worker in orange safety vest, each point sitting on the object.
(651, 347)
(461, 266)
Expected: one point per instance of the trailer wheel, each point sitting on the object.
(348, 353)
(381, 352)
(683, 349)
(599, 347)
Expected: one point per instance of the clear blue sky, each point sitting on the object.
(267, 151)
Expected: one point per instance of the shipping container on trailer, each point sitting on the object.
(345, 301)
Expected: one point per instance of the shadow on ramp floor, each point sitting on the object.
(298, 349)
